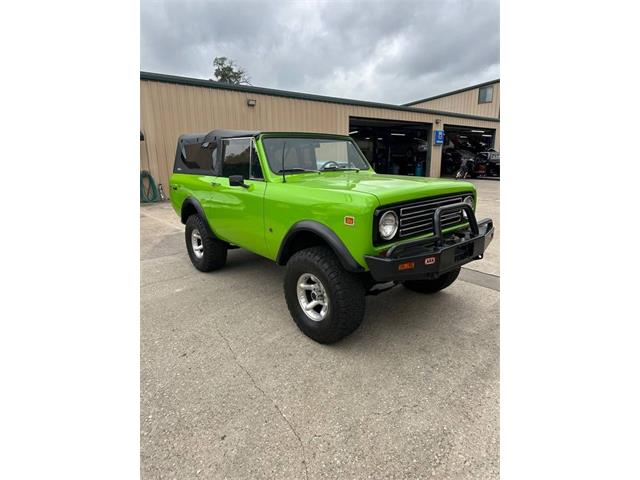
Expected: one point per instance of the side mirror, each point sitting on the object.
(237, 181)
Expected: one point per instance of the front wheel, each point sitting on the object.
(434, 285)
(326, 302)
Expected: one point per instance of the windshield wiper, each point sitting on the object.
(340, 168)
(289, 170)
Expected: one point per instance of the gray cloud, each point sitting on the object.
(385, 51)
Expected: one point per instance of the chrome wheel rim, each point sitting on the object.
(196, 243)
(312, 297)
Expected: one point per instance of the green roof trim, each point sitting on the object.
(465, 89)
(197, 82)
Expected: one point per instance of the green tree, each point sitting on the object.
(227, 71)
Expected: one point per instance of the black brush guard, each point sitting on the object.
(431, 257)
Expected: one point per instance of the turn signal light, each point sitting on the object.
(406, 266)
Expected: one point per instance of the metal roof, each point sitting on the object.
(196, 82)
(465, 89)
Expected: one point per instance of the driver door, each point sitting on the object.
(237, 213)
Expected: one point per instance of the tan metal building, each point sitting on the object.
(482, 99)
(171, 106)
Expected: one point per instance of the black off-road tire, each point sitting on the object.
(346, 294)
(435, 285)
(214, 254)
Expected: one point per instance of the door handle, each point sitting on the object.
(215, 184)
(174, 187)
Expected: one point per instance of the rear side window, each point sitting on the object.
(240, 158)
(195, 157)
(199, 157)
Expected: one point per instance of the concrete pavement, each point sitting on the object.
(230, 388)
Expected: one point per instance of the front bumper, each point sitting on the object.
(431, 257)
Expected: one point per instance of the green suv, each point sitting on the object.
(312, 203)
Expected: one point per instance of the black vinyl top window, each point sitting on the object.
(195, 157)
(239, 157)
(313, 154)
(199, 157)
(485, 94)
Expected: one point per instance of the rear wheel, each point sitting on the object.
(434, 285)
(206, 252)
(326, 302)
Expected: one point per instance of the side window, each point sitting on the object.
(195, 157)
(256, 170)
(240, 158)
(236, 157)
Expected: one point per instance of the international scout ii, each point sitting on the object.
(311, 202)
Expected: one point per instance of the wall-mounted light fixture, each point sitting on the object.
(437, 121)
(251, 102)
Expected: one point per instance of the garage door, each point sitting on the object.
(393, 147)
(461, 143)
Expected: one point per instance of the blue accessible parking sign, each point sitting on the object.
(438, 138)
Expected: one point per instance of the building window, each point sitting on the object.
(485, 94)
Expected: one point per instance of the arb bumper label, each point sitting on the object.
(430, 260)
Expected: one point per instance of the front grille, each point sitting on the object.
(416, 218)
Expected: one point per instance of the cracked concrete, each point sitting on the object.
(255, 384)
(231, 389)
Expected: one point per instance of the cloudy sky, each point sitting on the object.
(384, 51)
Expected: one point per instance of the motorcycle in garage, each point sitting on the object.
(482, 164)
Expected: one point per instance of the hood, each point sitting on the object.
(388, 189)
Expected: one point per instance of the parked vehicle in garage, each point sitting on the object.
(487, 163)
(454, 158)
(467, 169)
(482, 164)
(312, 202)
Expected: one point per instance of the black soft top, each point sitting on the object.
(196, 153)
(216, 134)
(191, 138)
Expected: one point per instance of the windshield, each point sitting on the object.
(296, 154)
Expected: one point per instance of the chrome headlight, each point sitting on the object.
(388, 225)
(469, 201)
